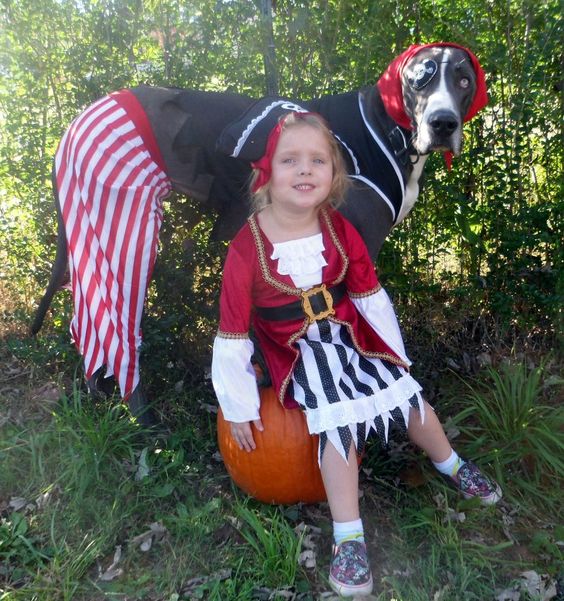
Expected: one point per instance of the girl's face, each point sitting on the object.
(302, 170)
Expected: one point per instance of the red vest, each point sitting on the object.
(250, 279)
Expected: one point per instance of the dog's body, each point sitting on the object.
(385, 145)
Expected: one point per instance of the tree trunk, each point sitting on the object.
(269, 52)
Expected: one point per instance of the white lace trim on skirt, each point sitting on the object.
(364, 409)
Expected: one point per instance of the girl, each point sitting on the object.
(301, 274)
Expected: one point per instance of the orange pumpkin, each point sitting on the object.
(283, 468)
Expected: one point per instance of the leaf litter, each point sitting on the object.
(154, 534)
(450, 515)
(113, 571)
(192, 588)
(309, 536)
(533, 585)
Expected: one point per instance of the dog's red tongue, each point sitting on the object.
(389, 86)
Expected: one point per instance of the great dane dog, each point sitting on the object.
(121, 157)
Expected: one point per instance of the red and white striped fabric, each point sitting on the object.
(111, 182)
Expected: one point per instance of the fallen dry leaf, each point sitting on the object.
(17, 503)
(317, 514)
(45, 498)
(146, 539)
(49, 392)
(303, 526)
(235, 522)
(146, 544)
(209, 408)
(307, 559)
(194, 583)
(113, 571)
(262, 593)
(440, 594)
(441, 501)
(507, 520)
(537, 585)
(225, 533)
(454, 516)
(509, 595)
(407, 573)
(484, 359)
(143, 469)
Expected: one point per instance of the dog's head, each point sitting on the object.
(432, 89)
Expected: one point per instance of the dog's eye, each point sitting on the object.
(464, 82)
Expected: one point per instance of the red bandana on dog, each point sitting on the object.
(390, 89)
(264, 164)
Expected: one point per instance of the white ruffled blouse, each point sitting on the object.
(301, 259)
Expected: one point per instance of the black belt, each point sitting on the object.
(315, 303)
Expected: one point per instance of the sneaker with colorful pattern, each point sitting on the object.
(350, 573)
(472, 483)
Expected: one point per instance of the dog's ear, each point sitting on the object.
(246, 137)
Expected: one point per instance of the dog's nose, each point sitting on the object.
(443, 123)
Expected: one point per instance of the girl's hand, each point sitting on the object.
(243, 435)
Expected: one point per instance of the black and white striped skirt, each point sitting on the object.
(344, 394)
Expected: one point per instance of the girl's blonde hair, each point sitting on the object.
(340, 183)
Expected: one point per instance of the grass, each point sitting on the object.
(82, 487)
(274, 543)
(510, 426)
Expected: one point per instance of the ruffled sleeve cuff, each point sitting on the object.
(234, 379)
(378, 311)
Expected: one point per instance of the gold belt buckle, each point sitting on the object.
(306, 303)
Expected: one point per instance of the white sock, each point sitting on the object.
(450, 466)
(348, 531)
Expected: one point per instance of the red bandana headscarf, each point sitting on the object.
(390, 88)
(264, 164)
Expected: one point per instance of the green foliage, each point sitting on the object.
(92, 479)
(510, 422)
(96, 440)
(489, 231)
(446, 573)
(18, 548)
(275, 545)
